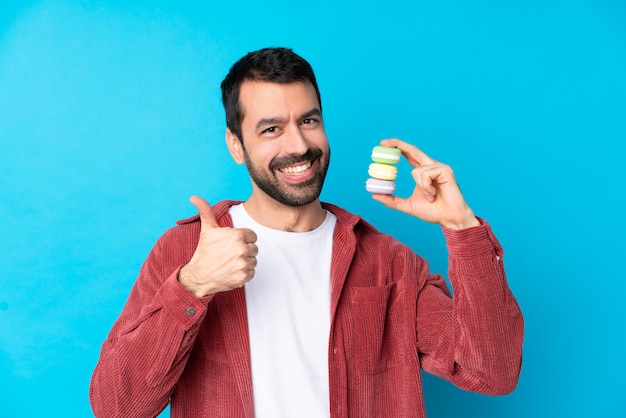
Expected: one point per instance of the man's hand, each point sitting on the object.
(224, 259)
(437, 197)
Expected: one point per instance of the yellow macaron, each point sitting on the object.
(382, 171)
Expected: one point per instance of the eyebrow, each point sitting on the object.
(312, 112)
(273, 121)
(268, 121)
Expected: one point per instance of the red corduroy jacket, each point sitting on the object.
(390, 317)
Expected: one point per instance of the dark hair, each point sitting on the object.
(276, 65)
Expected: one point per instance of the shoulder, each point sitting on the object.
(376, 258)
(190, 220)
(365, 233)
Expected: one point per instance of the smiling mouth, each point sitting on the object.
(296, 170)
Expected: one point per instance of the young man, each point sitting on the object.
(283, 306)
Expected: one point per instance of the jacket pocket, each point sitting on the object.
(368, 320)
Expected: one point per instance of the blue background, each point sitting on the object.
(110, 117)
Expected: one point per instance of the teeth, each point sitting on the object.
(297, 169)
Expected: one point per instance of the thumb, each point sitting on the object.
(207, 218)
(392, 202)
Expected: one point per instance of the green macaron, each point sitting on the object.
(386, 155)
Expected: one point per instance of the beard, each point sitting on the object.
(298, 194)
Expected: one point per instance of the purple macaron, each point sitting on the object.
(373, 185)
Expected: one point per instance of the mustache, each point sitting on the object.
(310, 155)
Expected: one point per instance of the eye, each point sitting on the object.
(310, 121)
(271, 130)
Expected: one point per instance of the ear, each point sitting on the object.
(234, 147)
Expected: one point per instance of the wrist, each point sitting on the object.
(187, 279)
(469, 221)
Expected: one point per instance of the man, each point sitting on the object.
(286, 306)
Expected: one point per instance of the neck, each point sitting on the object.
(275, 215)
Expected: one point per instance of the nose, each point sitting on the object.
(295, 141)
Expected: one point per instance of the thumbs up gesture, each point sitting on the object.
(224, 259)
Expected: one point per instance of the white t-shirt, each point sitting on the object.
(288, 306)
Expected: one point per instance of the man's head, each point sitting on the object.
(275, 126)
(274, 65)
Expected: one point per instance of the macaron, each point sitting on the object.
(386, 155)
(373, 185)
(382, 171)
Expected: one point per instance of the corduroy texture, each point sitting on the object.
(390, 317)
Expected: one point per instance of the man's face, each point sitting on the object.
(284, 142)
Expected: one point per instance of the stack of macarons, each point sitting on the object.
(383, 171)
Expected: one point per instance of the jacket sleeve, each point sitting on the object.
(148, 346)
(474, 338)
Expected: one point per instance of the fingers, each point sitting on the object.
(426, 178)
(427, 173)
(392, 202)
(224, 259)
(206, 213)
(249, 236)
(413, 155)
(207, 217)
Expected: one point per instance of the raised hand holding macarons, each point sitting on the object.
(437, 197)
